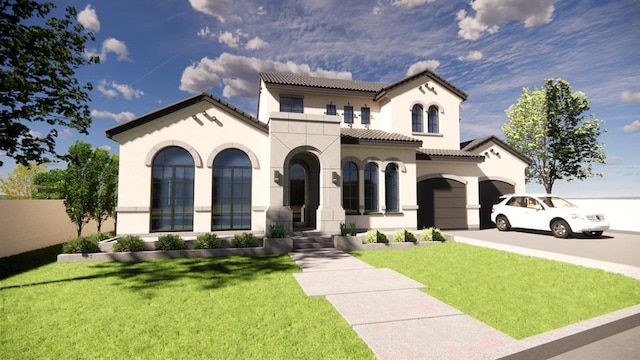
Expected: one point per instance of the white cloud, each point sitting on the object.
(423, 65)
(89, 19)
(491, 13)
(239, 74)
(65, 133)
(35, 134)
(410, 4)
(471, 56)
(261, 11)
(633, 127)
(630, 97)
(120, 117)
(229, 39)
(105, 147)
(205, 32)
(110, 45)
(256, 43)
(112, 89)
(216, 8)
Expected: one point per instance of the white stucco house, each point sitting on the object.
(320, 152)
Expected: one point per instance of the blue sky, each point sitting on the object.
(154, 53)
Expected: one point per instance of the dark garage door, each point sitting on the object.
(442, 203)
(490, 191)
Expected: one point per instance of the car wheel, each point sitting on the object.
(560, 229)
(593, 234)
(502, 223)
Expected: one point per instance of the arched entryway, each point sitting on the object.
(302, 190)
(490, 191)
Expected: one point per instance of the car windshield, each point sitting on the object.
(556, 202)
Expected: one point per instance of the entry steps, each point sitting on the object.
(311, 240)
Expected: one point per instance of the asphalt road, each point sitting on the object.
(615, 247)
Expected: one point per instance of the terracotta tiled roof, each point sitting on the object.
(356, 136)
(430, 154)
(319, 82)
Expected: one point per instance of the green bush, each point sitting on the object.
(129, 243)
(404, 236)
(81, 245)
(343, 229)
(170, 242)
(207, 241)
(276, 231)
(375, 236)
(432, 234)
(353, 231)
(244, 240)
(99, 237)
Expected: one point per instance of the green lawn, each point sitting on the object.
(217, 308)
(520, 296)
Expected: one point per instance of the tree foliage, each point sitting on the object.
(90, 182)
(20, 184)
(549, 125)
(39, 54)
(49, 185)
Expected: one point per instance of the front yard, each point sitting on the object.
(241, 307)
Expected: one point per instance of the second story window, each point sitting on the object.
(291, 104)
(331, 109)
(433, 120)
(348, 114)
(365, 114)
(416, 119)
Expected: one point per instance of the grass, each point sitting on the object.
(214, 308)
(520, 296)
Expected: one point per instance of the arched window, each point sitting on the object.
(231, 203)
(391, 188)
(416, 118)
(433, 119)
(350, 190)
(172, 190)
(371, 187)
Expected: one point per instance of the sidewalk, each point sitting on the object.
(398, 321)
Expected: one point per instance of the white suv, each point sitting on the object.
(546, 212)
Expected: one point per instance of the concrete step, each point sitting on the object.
(312, 242)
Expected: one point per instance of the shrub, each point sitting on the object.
(244, 240)
(81, 245)
(207, 241)
(404, 236)
(276, 231)
(170, 242)
(432, 234)
(98, 237)
(343, 229)
(129, 243)
(353, 231)
(375, 236)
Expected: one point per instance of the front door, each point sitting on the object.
(298, 194)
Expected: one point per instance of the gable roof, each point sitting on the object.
(475, 143)
(361, 136)
(378, 89)
(111, 132)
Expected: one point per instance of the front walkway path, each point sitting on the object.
(398, 321)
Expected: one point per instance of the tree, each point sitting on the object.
(49, 185)
(39, 54)
(81, 183)
(549, 125)
(107, 192)
(20, 184)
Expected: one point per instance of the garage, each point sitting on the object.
(489, 192)
(442, 203)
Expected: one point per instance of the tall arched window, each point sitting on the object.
(433, 119)
(172, 190)
(371, 187)
(391, 188)
(350, 190)
(231, 203)
(416, 118)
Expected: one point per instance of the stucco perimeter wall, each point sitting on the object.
(27, 225)
(622, 213)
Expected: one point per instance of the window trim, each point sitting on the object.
(331, 109)
(417, 125)
(433, 123)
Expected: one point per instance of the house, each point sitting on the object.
(320, 152)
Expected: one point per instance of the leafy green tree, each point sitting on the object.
(81, 183)
(49, 185)
(549, 125)
(39, 54)
(20, 183)
(107, 192)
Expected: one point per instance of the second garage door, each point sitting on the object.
(442, 203)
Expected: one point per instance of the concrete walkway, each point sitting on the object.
(399, 321)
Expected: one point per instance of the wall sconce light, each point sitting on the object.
(335, 178)
(277, 177)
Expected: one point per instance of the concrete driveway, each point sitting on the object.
(616, 247)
